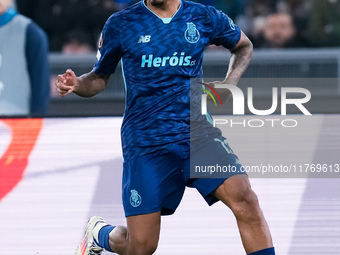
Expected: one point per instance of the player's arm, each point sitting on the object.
(87, 85)
(239, 61)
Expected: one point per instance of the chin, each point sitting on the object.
(157, 3)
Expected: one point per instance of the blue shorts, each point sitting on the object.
(156, 181)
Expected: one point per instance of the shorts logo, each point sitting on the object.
(192, 35)
(135, 198)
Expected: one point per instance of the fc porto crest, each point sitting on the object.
(135, 198)
(192, 35)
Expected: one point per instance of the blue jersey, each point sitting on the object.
(159, 58)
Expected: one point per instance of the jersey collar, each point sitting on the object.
(7, 16)
(165, 20)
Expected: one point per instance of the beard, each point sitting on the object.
(158, 3)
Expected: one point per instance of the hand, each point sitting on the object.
(66, 83)
(223, 94)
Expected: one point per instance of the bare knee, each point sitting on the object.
(143, 233)
(245, 205)
(118, 237)
(123, 243)
(241, 199)
(143, 247)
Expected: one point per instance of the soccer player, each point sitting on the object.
(160, 44)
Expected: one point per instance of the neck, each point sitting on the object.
(7, 16)
(163, 8)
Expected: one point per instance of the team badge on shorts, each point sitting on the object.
(135, 198)
(192, 35)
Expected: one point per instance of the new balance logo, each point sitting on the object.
(144, 39)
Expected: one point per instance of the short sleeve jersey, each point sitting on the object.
(159, 58)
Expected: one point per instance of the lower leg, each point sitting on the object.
(236, 193)
(139, 238)
(253, 229)
(118, 240)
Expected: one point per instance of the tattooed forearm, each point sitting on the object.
(238, 63)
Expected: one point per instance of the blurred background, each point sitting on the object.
(74, 25)
(292, 39)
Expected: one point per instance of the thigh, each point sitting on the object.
(152, 183)
(212, 154)
(235, 190)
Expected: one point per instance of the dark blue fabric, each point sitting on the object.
(156, 181)
(103, 237)
(7, 16)
(158, 62)
(268, 251)
(38, 68)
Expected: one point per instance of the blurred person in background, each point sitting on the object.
(77, 41)
(232, 7)
(300, 11)
(324, 24)
(24, 66)
(280, 32)
(58, 16)
(122, 4)
(253, 20)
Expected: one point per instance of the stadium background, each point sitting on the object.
(58, 171)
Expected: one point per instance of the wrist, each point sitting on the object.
(230, 81)
(76, 84)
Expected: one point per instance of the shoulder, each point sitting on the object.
(34, 31)
(21, 20)
(31, 27)
(198, 9)
(128, 14)
(36, 37)
(201, 8)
